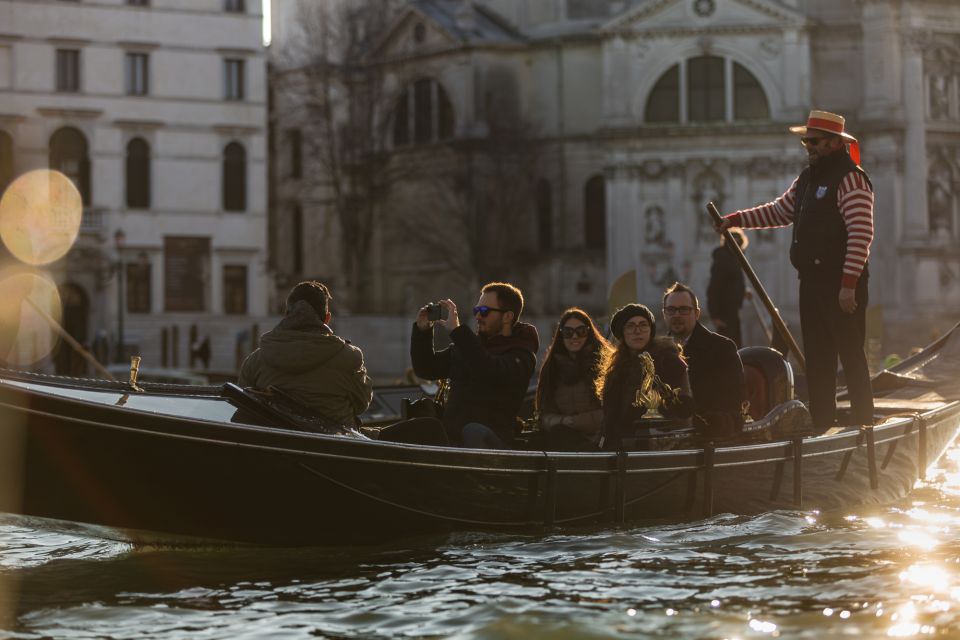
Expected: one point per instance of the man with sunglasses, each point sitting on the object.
(489, 370)
(830, 206)
(714, 366)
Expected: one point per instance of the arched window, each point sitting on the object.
(595, 213)
(296, 236)
(749, 100)
(234, 177)
(715, 90)
(544, 214)
(663, 105)
(423, 114)
(68, 155)
(138, 174)
(705, 89)
(6, 160)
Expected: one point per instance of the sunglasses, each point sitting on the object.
(812, 141)
(483, 310)
(580, 332)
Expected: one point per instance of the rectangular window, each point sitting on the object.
(232, 79)
(186, 271)
(295, 147)
(235, 289)
(138, 287)
(68, 70)
(139, 3)
(137, 72)
(234, 6)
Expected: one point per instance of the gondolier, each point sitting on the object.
(830, 206)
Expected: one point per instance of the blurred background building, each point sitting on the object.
(156, 109)
(408, 150)
(424, 147)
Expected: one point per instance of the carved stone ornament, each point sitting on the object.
(704, 8)
(771, 46)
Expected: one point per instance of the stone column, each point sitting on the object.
(914, 221)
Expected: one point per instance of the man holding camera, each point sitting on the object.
(489, 370)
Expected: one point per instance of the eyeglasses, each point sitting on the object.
(636, 327)
(483, 310)
(812, 141)
(580, 332)
(678, 311)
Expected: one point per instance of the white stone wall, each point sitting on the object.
(184, 118)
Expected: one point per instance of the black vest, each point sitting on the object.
(819, 245)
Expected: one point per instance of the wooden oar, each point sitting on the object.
(71, 341)
(778, 322)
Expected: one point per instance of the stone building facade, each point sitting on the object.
(156, 109)
(640, 112)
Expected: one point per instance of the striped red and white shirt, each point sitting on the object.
(855, 200)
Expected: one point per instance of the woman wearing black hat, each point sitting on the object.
(623, 373)
(567, 400)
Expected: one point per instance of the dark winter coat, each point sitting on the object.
(716, 378)
(727, 287)
(488, 376)
(302, 357)
(627, 375)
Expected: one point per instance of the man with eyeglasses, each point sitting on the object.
(830, 206)
(489, 370)
(714, 366)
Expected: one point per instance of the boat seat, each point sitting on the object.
(768, 379)
(756, 391)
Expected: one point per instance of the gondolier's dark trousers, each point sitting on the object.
(828, 332)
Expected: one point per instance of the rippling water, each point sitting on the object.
(884, 572)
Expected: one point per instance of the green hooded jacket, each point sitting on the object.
(302, 357)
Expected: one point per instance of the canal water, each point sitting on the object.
(881, 572)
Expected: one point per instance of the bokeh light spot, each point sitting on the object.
(28, 301)
(40, 215)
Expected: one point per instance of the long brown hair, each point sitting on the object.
(612, 366)
(595, 340)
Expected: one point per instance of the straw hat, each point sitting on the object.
(829, 123)
(824, 121)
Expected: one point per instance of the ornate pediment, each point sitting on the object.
(654, 16)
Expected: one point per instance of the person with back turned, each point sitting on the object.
(302, 357)
(830, 206)
(489, 370)
(727, 289)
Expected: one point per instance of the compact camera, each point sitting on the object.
(436, 311)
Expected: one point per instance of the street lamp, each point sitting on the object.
(118, 239)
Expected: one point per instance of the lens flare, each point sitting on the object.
(28, 303)
(40, 216)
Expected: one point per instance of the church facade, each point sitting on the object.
(631, 115)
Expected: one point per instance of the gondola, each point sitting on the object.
(185, 464)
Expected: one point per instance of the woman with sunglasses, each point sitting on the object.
(623, 372)
(567, 400)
